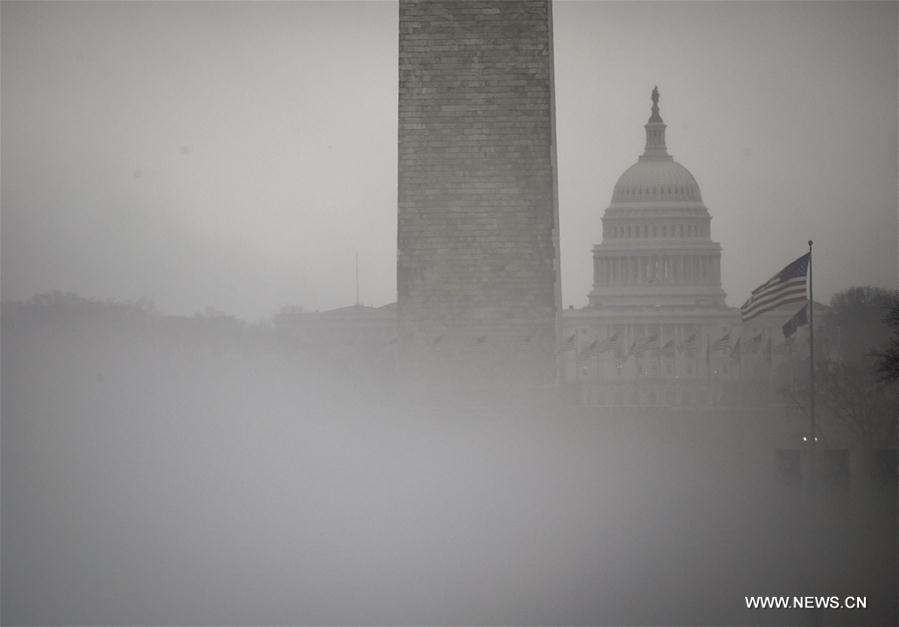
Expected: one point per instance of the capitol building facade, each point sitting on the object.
(656, 329)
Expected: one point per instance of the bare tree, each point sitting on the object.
(858, 321)
(853, 399)
(888, 359)
(850, 386)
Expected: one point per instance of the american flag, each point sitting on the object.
(668, 349)
(787, 286)
(608, 343)
(645, 343)
(735, 351)
(589, 349)
(689, 346)
(722, 345)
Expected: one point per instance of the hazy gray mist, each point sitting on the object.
(238, 155)
(162, 467)
(200, 471)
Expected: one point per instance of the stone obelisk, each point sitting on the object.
(478, 248)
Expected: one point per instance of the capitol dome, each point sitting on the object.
(657, 248)
(654, 180)
(656, 177)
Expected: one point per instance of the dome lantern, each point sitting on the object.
(655, 132)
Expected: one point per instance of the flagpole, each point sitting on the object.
(674, 354)
(811, 360)
(661, 368)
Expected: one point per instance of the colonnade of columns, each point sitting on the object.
(679, 230)
(637, 269)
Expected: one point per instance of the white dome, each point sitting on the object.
(656, 179)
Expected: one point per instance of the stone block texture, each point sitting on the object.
(477, 266)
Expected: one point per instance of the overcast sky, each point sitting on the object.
(238, 155)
